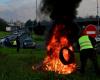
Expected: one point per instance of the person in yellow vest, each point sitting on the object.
(14, 43)
(87, 51)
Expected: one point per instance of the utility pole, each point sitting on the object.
(97, 17)
(36, 10)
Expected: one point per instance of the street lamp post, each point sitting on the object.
(36, 10)
(97, 17)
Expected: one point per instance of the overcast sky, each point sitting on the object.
(26, 9)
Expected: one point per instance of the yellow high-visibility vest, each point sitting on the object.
(85, 42)
(14, 43)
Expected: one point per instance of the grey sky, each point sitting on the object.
(26, 9)
(88, 8)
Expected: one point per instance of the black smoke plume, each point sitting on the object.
(63, 11)
(58, 8)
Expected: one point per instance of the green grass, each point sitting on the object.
(18, 66)
(3, 34)
(38, 39)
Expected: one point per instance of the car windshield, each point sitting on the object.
(28, 41)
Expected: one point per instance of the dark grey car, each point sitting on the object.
(28, 43)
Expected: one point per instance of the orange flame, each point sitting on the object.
(56, 43)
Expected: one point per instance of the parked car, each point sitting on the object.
(97, 39)
(28, 43)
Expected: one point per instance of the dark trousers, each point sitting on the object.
(85, 55)
(18, 48)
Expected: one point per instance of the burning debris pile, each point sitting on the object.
(60, 52)
(58, 60)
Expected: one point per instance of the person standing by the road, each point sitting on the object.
(87, 51)
(17, 43)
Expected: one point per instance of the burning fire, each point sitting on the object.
(52, 61)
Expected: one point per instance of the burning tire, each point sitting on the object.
(70, 54)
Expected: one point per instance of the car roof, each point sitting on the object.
(28, 38)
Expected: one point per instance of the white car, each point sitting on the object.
(97, 39)
(97, 47)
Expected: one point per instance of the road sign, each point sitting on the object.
(91, 30)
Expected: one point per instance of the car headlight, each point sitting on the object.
(25, 43)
